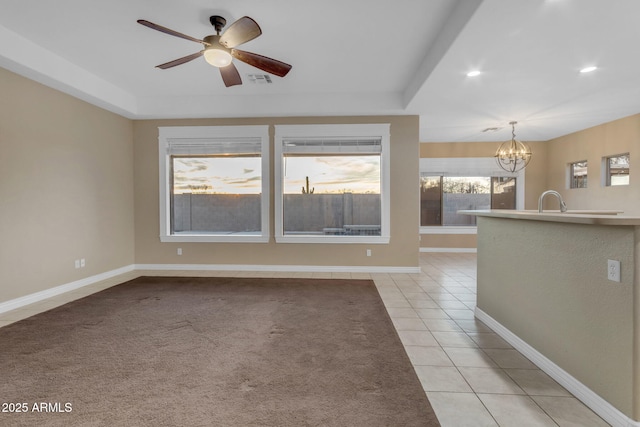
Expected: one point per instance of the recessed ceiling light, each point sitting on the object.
(588, 69)
(473, 73)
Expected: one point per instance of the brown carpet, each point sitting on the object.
(160, 351)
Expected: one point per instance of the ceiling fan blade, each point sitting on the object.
(180, 61)
(230, 75)
(241, 31)
(169, 31)
(269, 65)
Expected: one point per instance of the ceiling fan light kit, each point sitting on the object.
(216, 54)
(219, 49)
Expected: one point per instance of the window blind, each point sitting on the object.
(204, 146)
(292, 146)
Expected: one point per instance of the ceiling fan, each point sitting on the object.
(219, 50)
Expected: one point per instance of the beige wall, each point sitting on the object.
(535, 181)
(402, 251)
(617, 137)
(66, 186)
(448, 241)
(80, 182)
(547, 283)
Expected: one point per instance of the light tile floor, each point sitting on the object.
(471, 376)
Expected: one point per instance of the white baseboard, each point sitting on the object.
(450, 250)
(48, 293)
(597, 404)
(282, 268)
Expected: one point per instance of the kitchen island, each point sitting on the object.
(543, 285)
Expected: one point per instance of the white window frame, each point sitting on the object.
(349, 131)
(467, 166)
(201, 135)
(571, 174)
(606, 172)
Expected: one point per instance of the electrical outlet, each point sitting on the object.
(368, 252)
(82, 263)
(77, 263)
(179, 251)
(613, 270)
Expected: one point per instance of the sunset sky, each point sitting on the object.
(241, 175)
(333, 174)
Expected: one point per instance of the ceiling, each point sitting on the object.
(355, 57)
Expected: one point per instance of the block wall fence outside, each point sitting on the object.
(216, 212)
(313, 212)
(454, 202)
(303, 212)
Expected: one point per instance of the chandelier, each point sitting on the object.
(513, 155)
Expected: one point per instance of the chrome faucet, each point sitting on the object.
(563, 205)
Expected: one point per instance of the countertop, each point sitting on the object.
(596, 217)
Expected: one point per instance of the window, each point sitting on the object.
(443, 196)
(214, 184)
(430, 200)
(464, 193)
(617, 170)
(578, 174)
(332, 183)
(464, 183)
(503, 192)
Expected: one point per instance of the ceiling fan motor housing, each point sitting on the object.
(214, 41)
(218, 22)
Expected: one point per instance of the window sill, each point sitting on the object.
(449, 230)
(381, 240)
(215, 238)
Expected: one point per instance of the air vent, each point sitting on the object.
(260, 79)
(490, 130)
